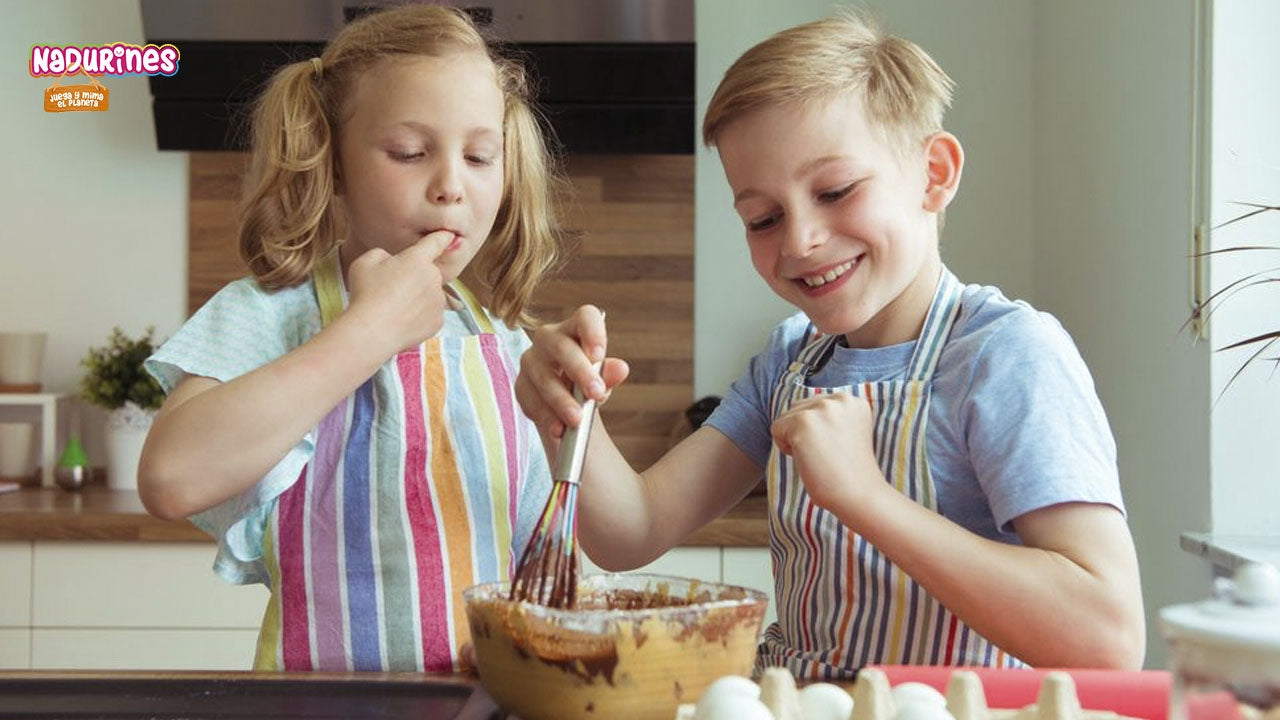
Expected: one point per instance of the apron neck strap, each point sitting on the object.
(937, 326)
(817, 348)
(328, 281)
(330, 294)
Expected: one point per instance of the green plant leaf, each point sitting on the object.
(115, 375)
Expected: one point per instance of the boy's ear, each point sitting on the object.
(944, 160)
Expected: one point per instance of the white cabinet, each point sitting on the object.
(159, 606)
(693, 562)
(748, 567)
(753, 568)
(15, 585)
(142, 649)
(138, 585)
(15, 605)
(123, 606)
(15, 649)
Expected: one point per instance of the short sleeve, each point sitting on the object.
(743, 413)
(1036, 432)
(238, 330)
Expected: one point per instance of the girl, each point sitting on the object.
(344, 421)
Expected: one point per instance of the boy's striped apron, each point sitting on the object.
(841, 603)
(409, 499)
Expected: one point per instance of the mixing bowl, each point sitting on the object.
(635, 647)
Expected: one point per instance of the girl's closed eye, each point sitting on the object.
(405, 155)
(482, 159)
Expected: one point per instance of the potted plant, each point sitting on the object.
(1201, 311)
(116, 382)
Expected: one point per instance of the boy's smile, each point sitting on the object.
(840, 222)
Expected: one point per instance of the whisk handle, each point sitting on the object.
(573, 446)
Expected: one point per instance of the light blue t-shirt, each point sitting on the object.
(244, 327)
(1014, 421)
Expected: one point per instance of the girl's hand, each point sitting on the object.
(829, 439)
(562, 354)
(401, 296)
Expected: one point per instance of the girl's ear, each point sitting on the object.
(945, 160)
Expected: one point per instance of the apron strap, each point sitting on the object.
(944, 309)
(937, 326)
(328, 282)
(478, 315)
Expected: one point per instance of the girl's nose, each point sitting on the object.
(446, 185)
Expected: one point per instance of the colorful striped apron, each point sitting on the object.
(841, 603)
(410, 498)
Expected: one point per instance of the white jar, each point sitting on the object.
(1225, 651)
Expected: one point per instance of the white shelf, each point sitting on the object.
(1229, 552)
(47, 404)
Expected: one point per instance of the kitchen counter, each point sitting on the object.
(125, 695)
(97, 513)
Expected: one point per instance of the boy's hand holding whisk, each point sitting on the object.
(567, 354)
(547, 572)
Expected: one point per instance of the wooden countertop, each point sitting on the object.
(97, 513)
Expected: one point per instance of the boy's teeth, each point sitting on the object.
(832, 274)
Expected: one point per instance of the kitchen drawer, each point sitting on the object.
(15, 649)
(15, 579)
(702, 563)
(137, 585)
(751, 567)
(133, 649)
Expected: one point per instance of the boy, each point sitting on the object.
(942, 479)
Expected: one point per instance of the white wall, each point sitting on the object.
(94, 217)
(1246, 167)
(986, 47)
(1113, 200)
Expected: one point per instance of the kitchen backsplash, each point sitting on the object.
(633, 257)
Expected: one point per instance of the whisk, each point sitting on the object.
(547, 573)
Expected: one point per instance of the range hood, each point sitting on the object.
(613, 76)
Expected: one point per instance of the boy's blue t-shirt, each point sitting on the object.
(1014, 421)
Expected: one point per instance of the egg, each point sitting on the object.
(728, 706)
(725, 692)
(732, 685)
(824, 701)
(923, 711)
(909, 693)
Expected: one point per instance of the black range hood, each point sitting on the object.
(613, 76)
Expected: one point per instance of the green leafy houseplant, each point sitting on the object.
(114, 374)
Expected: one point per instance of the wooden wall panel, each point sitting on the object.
(633, 257)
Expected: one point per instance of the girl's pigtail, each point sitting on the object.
(287, 219)
(526, 238)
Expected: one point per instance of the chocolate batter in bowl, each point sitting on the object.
(635, 646)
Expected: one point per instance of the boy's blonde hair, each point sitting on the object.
(902, 89)
(289, 215)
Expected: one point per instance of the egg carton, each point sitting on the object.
(777, 698)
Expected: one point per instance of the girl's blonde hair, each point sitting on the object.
(289, 216)
(903, 90)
